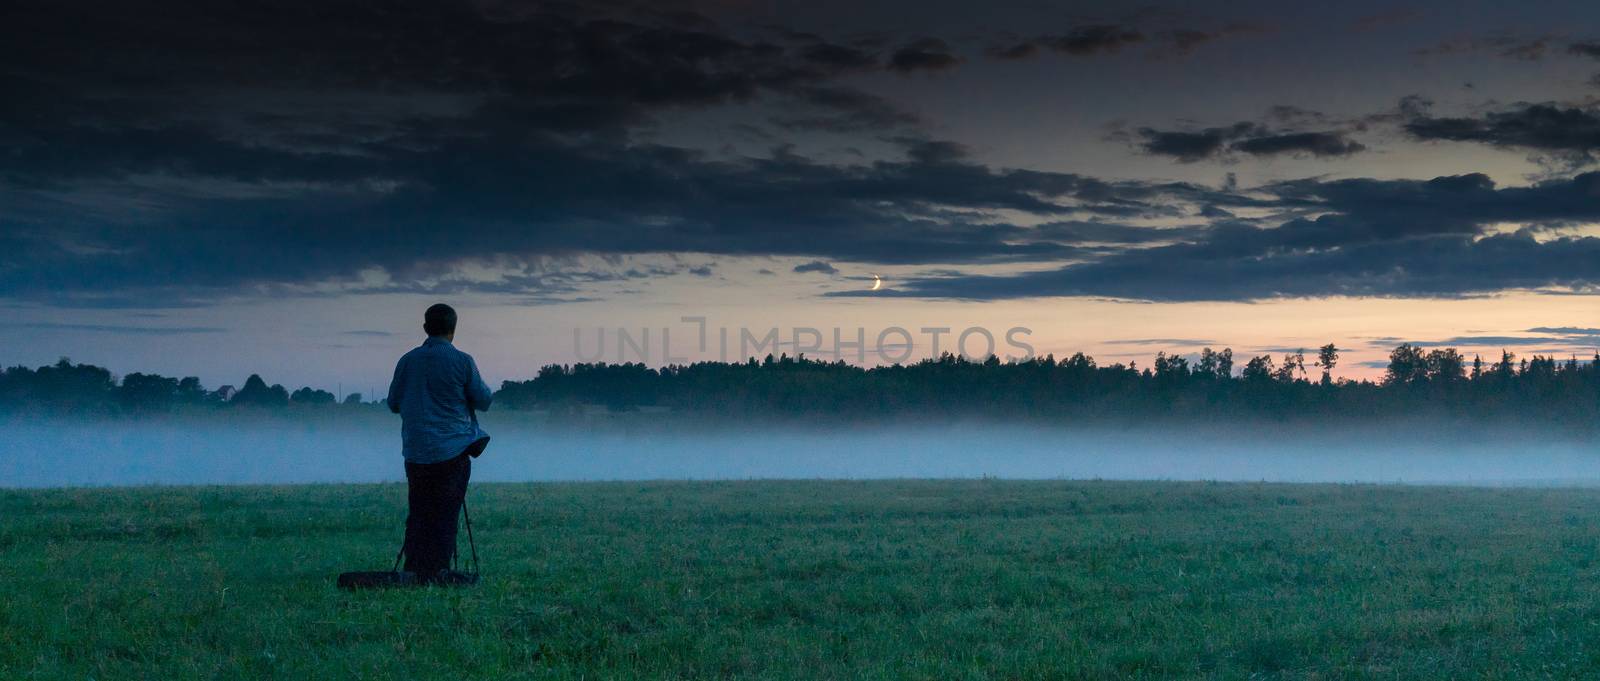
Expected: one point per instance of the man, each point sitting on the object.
(436, 391)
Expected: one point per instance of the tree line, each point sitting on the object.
(65, 386)
(1213, 384)
(1417, 382)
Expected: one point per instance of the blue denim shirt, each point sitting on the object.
(436, 390)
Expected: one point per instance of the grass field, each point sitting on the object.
(813, 580)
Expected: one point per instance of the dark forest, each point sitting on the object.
(1537, 391)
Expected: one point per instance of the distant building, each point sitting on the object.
(226, 393)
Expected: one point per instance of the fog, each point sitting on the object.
(366, 449)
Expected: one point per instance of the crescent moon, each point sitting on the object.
(877, 283)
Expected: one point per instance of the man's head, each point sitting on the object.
(440, 320)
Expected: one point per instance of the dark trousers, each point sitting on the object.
(436, 491)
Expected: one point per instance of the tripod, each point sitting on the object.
(451, 577)
(472, 545)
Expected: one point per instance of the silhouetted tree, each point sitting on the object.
(1506, 368)
(148, 391)
(1328, 358)
(72, 386)
(1259, 369)
(1293, 364)
(310, 395)
(1208, 365)
(1075, 389)
(1447, 366)
(256, 392)
(1407, 366)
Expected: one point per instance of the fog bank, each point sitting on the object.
(251, 451)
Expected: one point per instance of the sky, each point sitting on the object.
(221, 188)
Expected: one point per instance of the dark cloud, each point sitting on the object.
(1186, 40)
(1546, 127)
(550, 67)
(837, 58)
(1566, 330)
(1318, 144)
(1511, 46)
(1102, 39)
(1370, 238)
(1290, 115)
(1547, 336)
(230, 149)
(887, 211)
(1189, 146)
(932, 151)
(845, 110)
(125, 330)
(1438, 267)
(923, 54)
(161, 154)
(1083, 232)
(1501, 341)
(1012, 51)
(1507, 45)
(1082, 41)
(816, 266)
(1089, 40)
(335, 97)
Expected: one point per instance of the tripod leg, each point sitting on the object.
(471, 542)
(399, 555)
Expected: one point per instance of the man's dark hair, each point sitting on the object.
(439, 320)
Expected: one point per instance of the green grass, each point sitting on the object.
(813, 580)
